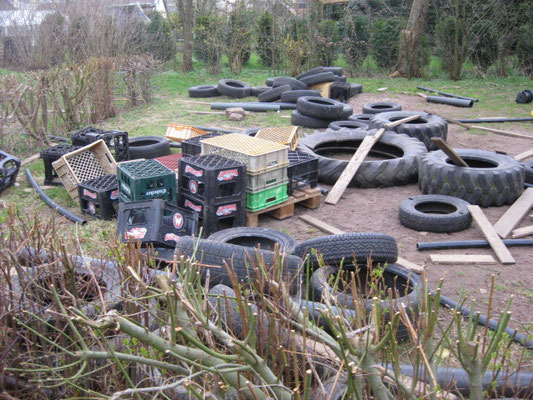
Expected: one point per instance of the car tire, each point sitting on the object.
(361, 118)
(203, 91)
(295, 84)
(252, 236)
(233, 88)
(528, 170)
(380, 107)
(292, 96)
(338, 125)
(148, 147)
(257, 90)
(299, 119)
(273, 94)
(318, 78)
(320, 107)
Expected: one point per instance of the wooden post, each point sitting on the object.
(441, 144)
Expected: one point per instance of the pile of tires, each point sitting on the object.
(319, 112)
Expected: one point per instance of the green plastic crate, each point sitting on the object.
(267, 198)
(146, 180)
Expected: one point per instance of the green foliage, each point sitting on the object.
(327, 40)
(357, 36)
(445, 40)
(158, 40)
(267, 46)
(384, 41)
(434, 68)
(524, 48)
(485, 50)
(370, 66)
(207, 41)
(238, 38)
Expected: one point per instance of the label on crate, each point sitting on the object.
(192, 171)
(171, 236)
(226, 209)
(156, 192)
(193, 186)
(92, 207)
(135, 233)
(193, 206)
(90, 194)
(177, 221)
(114, 195)
(125, 188)
(228, 174)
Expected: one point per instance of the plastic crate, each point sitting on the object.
(266, 198)
(84, 164)
(302, 171)
(258, 183)
(155, 221)
(178, 132)
(50, 155)
(192, 146)
(117, 141)
(214, 217)
(99, 197)
(146, 180)
(171, 161)
(287, 135)
(258, 155)
(212, 178)
(9, 169)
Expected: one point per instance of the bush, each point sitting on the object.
(355, 42)
(485, 51)
(444, 38)
(267, 46)
(384, 41)
(158, 40)
(208, 42)
(327, 41)
(524, 48)
(50, 47)
(238, 39)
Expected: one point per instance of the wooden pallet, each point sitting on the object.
(309, 198)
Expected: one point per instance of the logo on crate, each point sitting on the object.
(171, 236)
(177, 221)
(227, 175)
(90, 194)
(192, 171)
(156, 192)
(135, 233)
(114, 195)
(92, 207)
(125, 188)
(193, 186)
(226, 209)
(193, 206)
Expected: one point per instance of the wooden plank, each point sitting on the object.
(514, 214)
(357, 159)
(323, 226)
(409, 265)
(524, 155)
(490, 234)
(462, 259)
(30, 159)
(441, 144)
(521, 232)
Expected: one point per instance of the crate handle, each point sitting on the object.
(109, 158)
(271, 199)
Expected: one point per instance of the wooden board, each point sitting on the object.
(409, 265)
(490, 234)
(524, 155)
(462, 259)
(441, 144)
(521, 232)
(321, 225)
(514, 214)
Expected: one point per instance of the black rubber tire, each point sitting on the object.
(400, 170)
(338, 125)
(292, 96)
(347, 111)
(528, 170)
(426, 127)
(273, 94)
(299, 119)
(250, 131)
(493, 180)
(257, 90)
(318, 78)
(320, 107)
(241, 260)
(336, 70)
(203, 91)
(334, 249)
(295, 84)
(310, 72)
(380, 107)
(252, 236)
(361, 118)
(408, 284)
(355, 88)
(233, 88)
(435, 213)
(148, 147)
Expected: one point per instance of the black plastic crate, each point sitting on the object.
(192, 147)
(214, 217)
(155, 222)
(302, 170)
(117, 141)
(99, 197)
(50, 155)
(9, 169)
(212, 178)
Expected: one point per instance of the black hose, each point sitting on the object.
(493, 120)
(446, 94)
(66, 213)
(451, 101)
(470, 244)
(208, 129)
(175, 145)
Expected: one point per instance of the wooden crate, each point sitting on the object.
(323, 88)
(89, 162)
(178, 132)
(287, 135)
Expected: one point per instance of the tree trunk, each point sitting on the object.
(186, 10)
(410, 41)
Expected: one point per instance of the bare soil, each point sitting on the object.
(376, 210)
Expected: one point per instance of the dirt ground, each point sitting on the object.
(376, 210)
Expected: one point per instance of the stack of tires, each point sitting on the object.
(318, 112)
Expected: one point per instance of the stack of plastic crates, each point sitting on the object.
(155, 222)
(50, 155)
(146, 180)
(302, 171)
(266, 163)
(99, 197)
(117, 141)
(214, 187)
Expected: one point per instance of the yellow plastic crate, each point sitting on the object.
(287, 135)
(178, 132)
